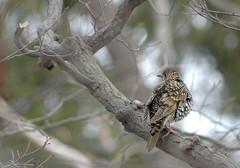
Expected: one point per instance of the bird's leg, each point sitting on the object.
(170, 130)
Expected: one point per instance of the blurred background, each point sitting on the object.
(158, 34)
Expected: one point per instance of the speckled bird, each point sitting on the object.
(170, 101)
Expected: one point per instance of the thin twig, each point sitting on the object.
(57, 107)
(14, 55)
(45, 161)
(208, 94)
(162, 14)
(139, 48)
(200, 7)
(73, 119)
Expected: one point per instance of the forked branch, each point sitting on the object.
(86, 71)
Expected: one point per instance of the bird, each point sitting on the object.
(169, 102)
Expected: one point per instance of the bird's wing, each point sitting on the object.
(155, 93)
(184, 109)
(173, 96)
(146, 110)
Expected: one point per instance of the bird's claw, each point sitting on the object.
(170, 130)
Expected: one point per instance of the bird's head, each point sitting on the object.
(170, 73)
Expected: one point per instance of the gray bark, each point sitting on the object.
(83, 67)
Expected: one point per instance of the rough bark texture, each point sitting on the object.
(85, 70)
(187, 149)
(46, 31)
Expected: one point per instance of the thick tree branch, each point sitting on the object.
(46, 31)
(218, 143)
(48, 39)
(89, 74)
(86, 71)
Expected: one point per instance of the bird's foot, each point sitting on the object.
(170, 130)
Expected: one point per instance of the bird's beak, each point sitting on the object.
(160, 76)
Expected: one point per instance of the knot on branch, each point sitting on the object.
(137, 105)
(94, 89)
(46, 63)
(70, 43)
(122, 117)
(222, 151)
(125, 118)
(188, 143)
(76, 45)
(130, 120)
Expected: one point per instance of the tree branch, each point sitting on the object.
(48, 39)
(114, 28)
(86, 71)
(46, 31)
(200, 7)
(70, 155)
(186, 149)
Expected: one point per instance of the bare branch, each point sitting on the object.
(200, 7)
(21, 160)
(47, 40)
(215, 142)
(114, 28)
(46, 31)
(70, 155)
(196, 154)
(21, 46)
(45, 161)
(86, 4)
(86, 71)
(95, 16)
(72, 119)
(207, 95)
(57, 107)
(139, 48)
(162, 14)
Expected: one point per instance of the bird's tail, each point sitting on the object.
(156, 129)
